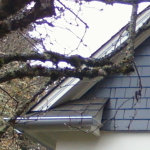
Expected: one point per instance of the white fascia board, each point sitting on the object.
(69, 83)
(122, 36)
(56, 94)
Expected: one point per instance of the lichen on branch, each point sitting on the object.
(26, 17)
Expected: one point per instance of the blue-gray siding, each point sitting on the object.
(123, 111)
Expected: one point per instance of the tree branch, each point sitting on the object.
(27, 17)
(75, 60)
(8, 94)
(129, 2)
(132, 29)
(123, 67)
(9, 7)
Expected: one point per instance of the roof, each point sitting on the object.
(68, 108)
(74, 88)
(78, 109)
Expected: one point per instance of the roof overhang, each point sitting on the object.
(47, 130)
(74, 88)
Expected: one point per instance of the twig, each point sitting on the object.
(8, 99)
(73, 13)
(8, 94)
(20, 111)
(138, 92)
(27, 39)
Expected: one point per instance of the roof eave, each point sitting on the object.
(106, 49)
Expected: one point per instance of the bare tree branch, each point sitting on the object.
(73, 13)
(129, 2)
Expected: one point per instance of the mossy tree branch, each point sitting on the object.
(54, 74)
(37, 12)
(25, 18)
(9, 7)
(75, 60)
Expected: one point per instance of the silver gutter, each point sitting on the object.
(62, 120)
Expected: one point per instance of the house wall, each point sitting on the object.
(107, 141)
(125, 110)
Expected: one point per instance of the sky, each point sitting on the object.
(108, 22)
(103, 22)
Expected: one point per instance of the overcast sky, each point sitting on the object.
(103, 21)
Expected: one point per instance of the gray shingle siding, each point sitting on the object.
(123, 112)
